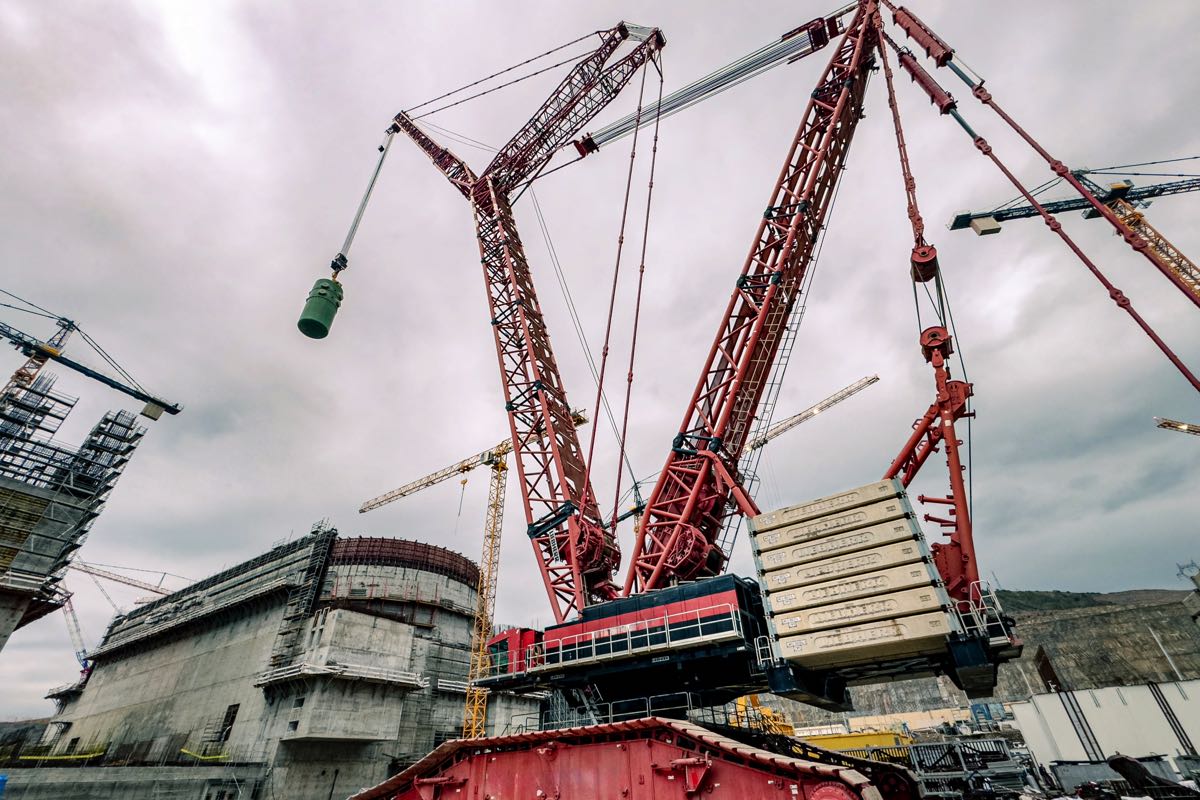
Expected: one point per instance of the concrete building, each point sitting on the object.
(315, 669)
(1069, 730)
(49, 494)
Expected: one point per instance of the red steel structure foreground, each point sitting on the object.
(644, 759)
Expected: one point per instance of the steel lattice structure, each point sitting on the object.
(576, 553)
(689, 504)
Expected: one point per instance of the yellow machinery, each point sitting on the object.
(749, 712)
(859, 740)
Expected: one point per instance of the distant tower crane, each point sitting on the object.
(94, 571)
(475, 711)
(38, 352)
(1123, 198)
(75, 632)
(785, 425)
(1176, 425)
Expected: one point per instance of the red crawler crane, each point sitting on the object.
(576, 554)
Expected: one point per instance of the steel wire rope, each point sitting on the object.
(941, 306)
(501, 72)
(1148, 174)
(1146, 163)
(111, 361)
(1034, 192)
(29, 303)
(27, 311)
(513, 82)
(82, 333)
(572, 310)
(637, 306)
(612, 301)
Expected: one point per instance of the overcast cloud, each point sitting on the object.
(176, 175)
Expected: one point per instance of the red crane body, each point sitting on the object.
(576, 553)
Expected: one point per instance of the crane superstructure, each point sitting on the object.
(681, 542)
(679, 625)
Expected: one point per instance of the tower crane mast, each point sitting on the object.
(475, 709)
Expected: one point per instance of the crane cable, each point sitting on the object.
(44, 312)
(498, 74)
(637, 305)
(585, 500)
(941, 305)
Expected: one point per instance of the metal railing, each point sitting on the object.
(982, 615)
(668, 632)
(360, 672)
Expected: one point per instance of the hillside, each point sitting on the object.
(1025, 601)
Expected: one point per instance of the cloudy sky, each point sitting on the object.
(176, 175)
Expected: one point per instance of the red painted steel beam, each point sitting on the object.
(576, 554)
(955, 558)
(687, 509)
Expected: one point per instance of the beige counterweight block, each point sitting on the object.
(842, 589)
(840, 544)
(824, 506)
(855, 612)
(857, 644)
(879, 558)
(838, 522)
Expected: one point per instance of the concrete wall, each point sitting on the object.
(170, 691)
(12, 608)
(1123, 719)
(127, 783)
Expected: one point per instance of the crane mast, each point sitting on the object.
(692, 498)
(576, 553)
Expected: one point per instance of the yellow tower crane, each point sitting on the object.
(475, 710)
(1176, 425)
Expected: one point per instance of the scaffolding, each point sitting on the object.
(50, 493)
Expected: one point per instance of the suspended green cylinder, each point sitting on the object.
(320, 309)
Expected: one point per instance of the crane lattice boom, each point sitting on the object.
(489, 457)
(89, 569)
(576, 553)
(783, 426)
(687, 509)
(1176, 425)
